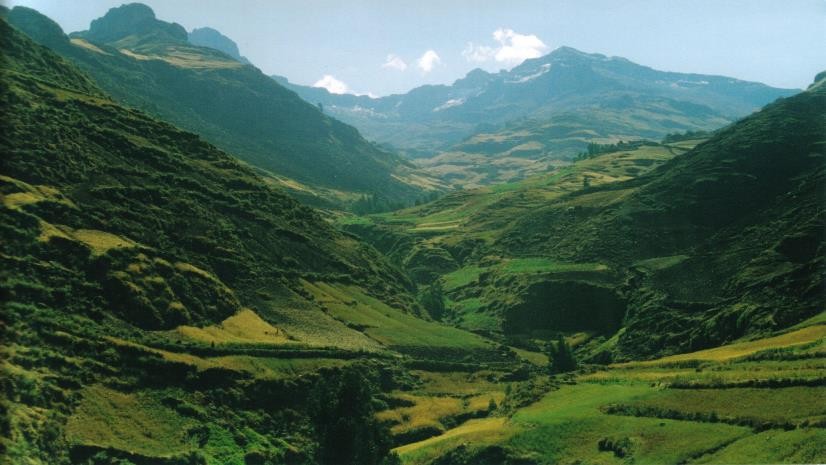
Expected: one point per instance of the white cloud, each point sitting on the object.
(333, 85)
(513, 48)
(428, 61)
(394, 62)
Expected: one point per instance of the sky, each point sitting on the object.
(379, 47)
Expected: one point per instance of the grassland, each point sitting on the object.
(632, 415)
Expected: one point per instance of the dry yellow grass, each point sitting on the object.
(426, 412)
(486, 430)
(100, 241)
(130, 422)
(184, 59)
(456, 383)
(243, 327)
(88, 46)
(741, 349)
(30, 194)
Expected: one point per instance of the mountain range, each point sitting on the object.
(494, 127)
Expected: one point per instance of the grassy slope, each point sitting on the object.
(157, 296)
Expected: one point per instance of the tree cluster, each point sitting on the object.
(561, 356)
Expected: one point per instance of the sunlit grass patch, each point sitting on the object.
(476, 432)
(567, 424)
(462, 277)
(243, 327)
(740, 349)
(803, 445)
(456, 383)
(100, 241)
(791, 405)
(660, 263)
(426, 412)
(388, 325)
(131, 422)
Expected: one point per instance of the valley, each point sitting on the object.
(200, 267)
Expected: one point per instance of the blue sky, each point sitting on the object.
(382, 46)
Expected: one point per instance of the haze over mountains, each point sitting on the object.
(166, 299)
(563, 81)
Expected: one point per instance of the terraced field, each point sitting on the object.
(638, 412)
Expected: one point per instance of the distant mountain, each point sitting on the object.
(557, 103)
(151, 65)
(208, 37)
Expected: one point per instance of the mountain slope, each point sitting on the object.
(149, 64)
(162, 303)
(664, 248)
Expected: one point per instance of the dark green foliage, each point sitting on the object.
(344, 419)
(561, 357)
(595, 149)
(433, 300)
(621, 448)
(375, 203)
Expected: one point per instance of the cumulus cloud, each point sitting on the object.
(394, 62)
(513, 48)
(333, 85)
(428, 61)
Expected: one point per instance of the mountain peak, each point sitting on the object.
(212, 38)
(475, 77)
(133, 19)
(565, 52)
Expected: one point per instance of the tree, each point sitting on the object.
(433, 300)
(561, 356)
(344, 418)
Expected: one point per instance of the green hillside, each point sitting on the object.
(705, 245)
(149, 64)
(161, 299)
(162, 302)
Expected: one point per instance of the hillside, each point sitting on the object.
(650, 250)
(160, 299)
(149, 64)
(490, 128)
(656, 300)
